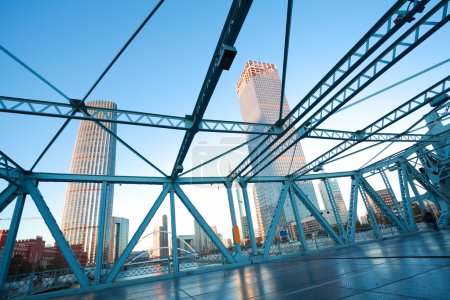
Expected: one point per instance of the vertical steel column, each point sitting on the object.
(61, 241)
(351, 223)
(198, 217)
(173, 225)
(336, 213)
(275, 219)
(237, 246)
(408, 214)
(101, 233)
(248, 215)
(373, 219)
(137, 235)
(10, 241)
(391, 193)
(298, 221)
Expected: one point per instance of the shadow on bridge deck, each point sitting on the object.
(414, 266)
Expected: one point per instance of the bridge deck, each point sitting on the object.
(415, 266)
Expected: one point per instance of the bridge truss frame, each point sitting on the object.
(425, 163)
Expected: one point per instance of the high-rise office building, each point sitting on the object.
(202, 243)
(201, 239)
(120, 236)
(259, 93)
(94, 154)
(384, 195)
(244, 226)
(161, 239)
(337, 195)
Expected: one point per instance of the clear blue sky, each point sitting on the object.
(71, 42)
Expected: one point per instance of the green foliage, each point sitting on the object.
(19, 265)
(58, 262)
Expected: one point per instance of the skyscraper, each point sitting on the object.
(94, 154)
(337, 198)
(259, 93)
(161, 239)
(120, 236)
(384, 195)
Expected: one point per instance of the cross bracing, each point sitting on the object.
(425, 164)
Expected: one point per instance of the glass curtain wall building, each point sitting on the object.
(94, 154)
(120, 236)
(259, 93)
(343, 213)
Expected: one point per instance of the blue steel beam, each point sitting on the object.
(137, 235)
(7, 196)
(371, 214)
(298, 221)
(115, 179)
(120, 116)
(237, 246)
(437, 17)
(275, 220)
(375, 137)
(334, 207)
(410, 129)
(383, 206)
(388, 186)
(7, 163)
(198, 217)
(388, 119)
(419, 199)
(408, 214)
(10, 241)
(173, 228)
(101, 233)
(63, 110)
(316, 213)
(394, 159)
(442, 113)
(248, 215)
(370, 42)
(230, 32)
(285, 56)
(66, 251)
(352, 209)
(424, 182)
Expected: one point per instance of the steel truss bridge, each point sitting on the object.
(425, 162)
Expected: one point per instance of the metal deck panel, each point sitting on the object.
(385, 269)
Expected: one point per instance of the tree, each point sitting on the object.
(58, 262)
(16, 261)
(19, 265)
(38, 267)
